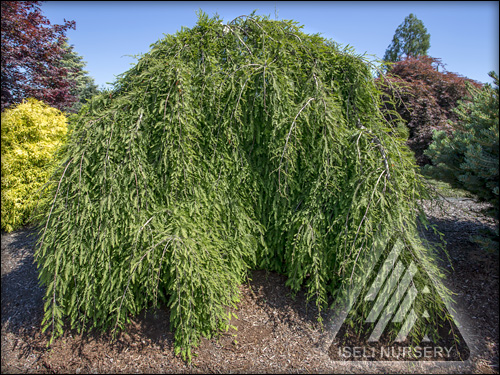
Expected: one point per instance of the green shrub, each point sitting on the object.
(225, 148)
(468, 159)
(32, 132)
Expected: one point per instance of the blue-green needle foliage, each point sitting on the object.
(227, 147)
(468, 159)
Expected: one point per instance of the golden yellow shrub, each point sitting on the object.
(32, 132)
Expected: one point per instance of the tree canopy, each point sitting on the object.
(426, 96)
(31, 53)
(410, 39)
(227, 147)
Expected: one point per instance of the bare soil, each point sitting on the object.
(276, 333)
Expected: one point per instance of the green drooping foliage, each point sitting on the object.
(411, 39)
(227, 147)
(468, 159)
(32, 133)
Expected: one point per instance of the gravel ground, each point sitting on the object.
(275, 332)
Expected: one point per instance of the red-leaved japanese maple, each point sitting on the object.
(427, 94)
(31, 55)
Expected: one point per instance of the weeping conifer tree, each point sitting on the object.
(227, 147)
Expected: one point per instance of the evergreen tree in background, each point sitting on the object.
(468, 158)
(411, 39)
(84, 86)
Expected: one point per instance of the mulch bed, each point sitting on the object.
(276, 333)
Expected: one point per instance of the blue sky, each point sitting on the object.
(464, 34)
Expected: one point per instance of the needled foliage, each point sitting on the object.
(425, 96)
(468, 158)
(225, 148)
(410, 39)
(32, 133)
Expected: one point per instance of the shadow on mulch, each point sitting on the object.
(275, 295)
(460, 247)
(473, 275)
(22, 297)
(22, 312)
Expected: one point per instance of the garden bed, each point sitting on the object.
(275, 332)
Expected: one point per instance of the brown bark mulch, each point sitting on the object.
(276, 333)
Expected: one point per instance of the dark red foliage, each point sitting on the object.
(426, 95)
(31, 55)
